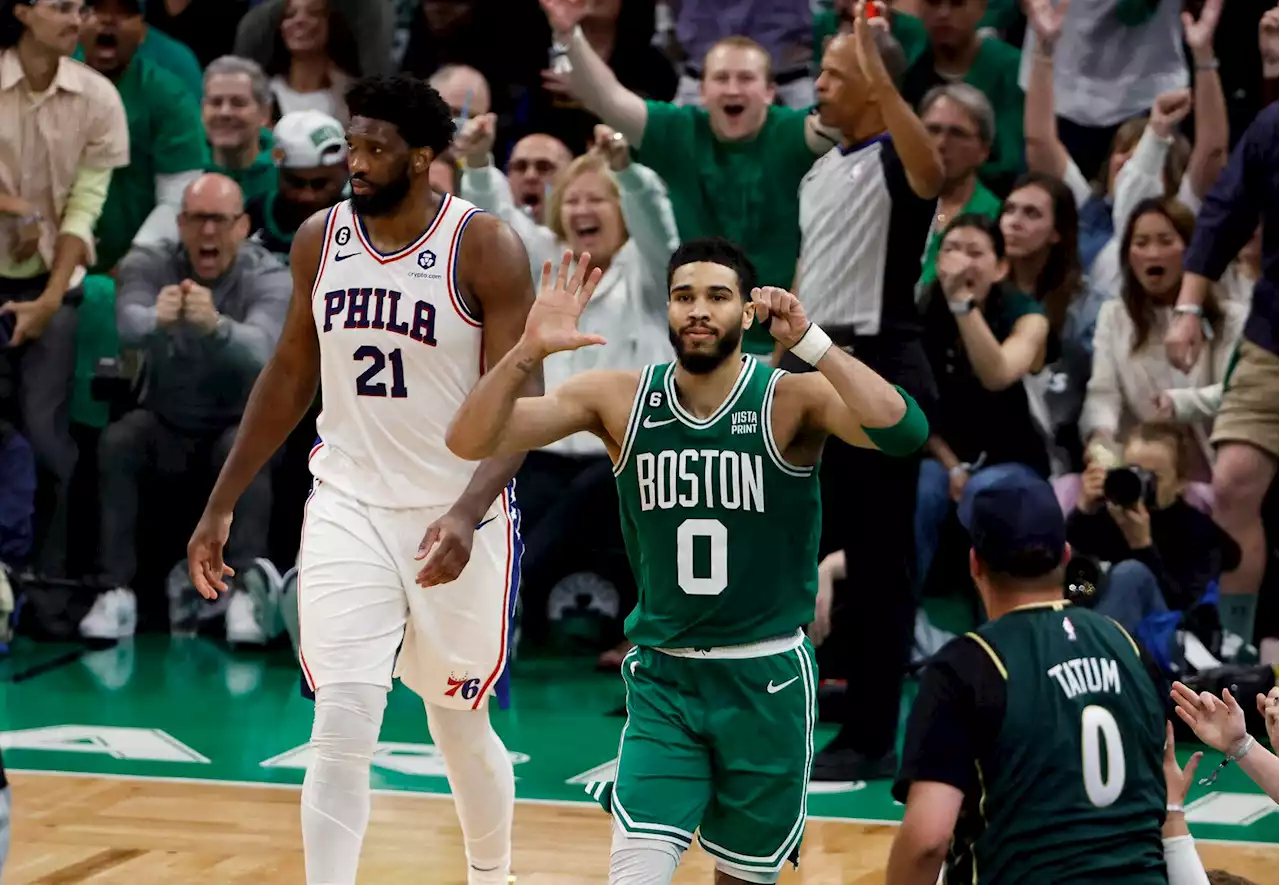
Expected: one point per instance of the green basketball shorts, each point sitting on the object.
(722, 746)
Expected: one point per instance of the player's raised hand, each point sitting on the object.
(552, 325)
(204, 554)
(1219, 722)
(789, 321)
(447, 549)
(1177, 779)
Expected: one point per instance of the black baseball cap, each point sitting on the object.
(1014, 521)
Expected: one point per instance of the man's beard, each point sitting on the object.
(385, 200)
(705, 363)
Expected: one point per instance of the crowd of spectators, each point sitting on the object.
(1053, 224)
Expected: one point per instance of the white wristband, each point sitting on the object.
(1175, 809)
(813, 345)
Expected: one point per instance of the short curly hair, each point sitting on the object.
(411, 105)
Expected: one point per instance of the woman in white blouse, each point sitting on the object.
(1132, 381)
(313, 61)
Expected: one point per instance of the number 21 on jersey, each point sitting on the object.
(367, 384)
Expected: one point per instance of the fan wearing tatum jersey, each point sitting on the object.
(715, 456)
(1034, 748)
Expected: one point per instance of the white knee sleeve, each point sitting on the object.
(635, 861)
(483, 787)
(335, 793)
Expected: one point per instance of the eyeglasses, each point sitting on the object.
(955, 132)
(65, 7)
(200, 219)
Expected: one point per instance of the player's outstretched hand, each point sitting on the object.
(789, 320)
(1177, 779)
(552, 325)
(447, 549)
(204, 554)
(1219, 722)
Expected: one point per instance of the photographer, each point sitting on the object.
(1163, 553)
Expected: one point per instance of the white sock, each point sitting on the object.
(483, 785)
(335, 793)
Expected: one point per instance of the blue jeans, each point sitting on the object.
(1130, 592)
(934, 506)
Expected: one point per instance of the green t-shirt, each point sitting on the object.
(745, 191)
(166, 138)
(259, 179)
(982, 202)
(171, 55)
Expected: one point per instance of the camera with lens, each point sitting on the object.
(1126, 486)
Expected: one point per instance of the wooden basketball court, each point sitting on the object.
(167, 761)
(72, 829)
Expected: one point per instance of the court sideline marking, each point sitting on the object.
(559, 803)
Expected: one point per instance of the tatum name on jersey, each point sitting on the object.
(721, 531)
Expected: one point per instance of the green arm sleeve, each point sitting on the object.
(907, 436)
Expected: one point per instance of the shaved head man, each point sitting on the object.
(536, 161)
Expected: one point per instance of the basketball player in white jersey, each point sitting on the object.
(401, 297)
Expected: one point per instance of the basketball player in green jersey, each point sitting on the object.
(715, 456)
(1034, 749)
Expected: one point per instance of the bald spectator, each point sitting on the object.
(733, 166)
(205, 315)
(311, 155)
(536, 162)
(464, 90)
(236, 112)
(62, 132)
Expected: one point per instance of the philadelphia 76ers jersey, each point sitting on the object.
(399, 351)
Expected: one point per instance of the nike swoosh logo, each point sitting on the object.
(634, 664)
(649, 422)
(774, 689)
(345, 257)
(485, 523)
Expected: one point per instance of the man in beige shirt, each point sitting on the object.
(62, 132)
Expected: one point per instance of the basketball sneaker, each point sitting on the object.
(114, 615)
(253, 614)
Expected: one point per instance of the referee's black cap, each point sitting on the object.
(1014, 521)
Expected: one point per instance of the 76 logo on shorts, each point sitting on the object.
(468, 687)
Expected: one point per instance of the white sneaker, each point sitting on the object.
(242, 621)
(114, 615)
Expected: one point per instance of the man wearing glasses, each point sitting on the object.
(205, 315)
(62, 132)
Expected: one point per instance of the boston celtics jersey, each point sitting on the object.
(1074, 790)
(721, 531)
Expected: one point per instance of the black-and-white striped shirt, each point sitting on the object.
(863, 231)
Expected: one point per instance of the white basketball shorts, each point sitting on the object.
(362, 618)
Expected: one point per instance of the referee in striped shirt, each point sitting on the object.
(865, 213)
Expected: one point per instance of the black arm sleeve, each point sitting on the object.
(954, 720)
